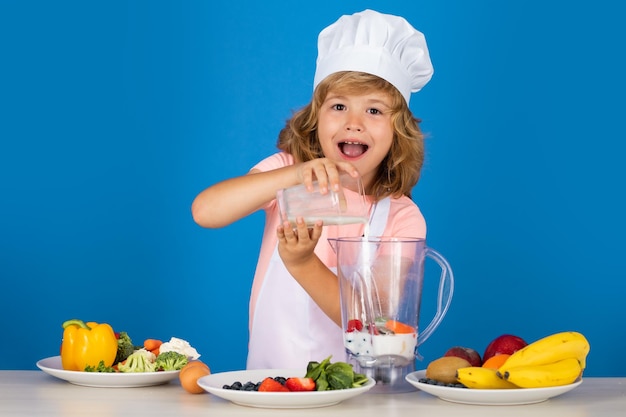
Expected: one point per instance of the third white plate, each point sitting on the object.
(489, 396)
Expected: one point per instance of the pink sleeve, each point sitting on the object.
(277, 160)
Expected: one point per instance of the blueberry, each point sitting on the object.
(280, 379)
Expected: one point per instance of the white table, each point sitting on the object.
(34, 393)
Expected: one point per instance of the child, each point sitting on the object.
(358, 122)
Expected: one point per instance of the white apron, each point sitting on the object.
(289, 330)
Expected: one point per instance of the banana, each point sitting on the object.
(482, 378)
(550, 349)
(563, 372)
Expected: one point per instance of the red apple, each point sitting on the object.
(504, 344)
(466, 353)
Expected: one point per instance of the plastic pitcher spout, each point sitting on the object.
(333, 244)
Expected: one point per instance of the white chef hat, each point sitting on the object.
(375, 43)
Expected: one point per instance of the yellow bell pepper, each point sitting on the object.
(86, 344)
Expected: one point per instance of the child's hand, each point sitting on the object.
(325, 172)
(295, 246)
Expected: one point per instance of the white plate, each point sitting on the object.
(52, 366)
(214, 383)
(489, 396)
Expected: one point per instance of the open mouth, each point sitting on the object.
(352, 149)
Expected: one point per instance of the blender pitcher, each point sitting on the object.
(381, 281)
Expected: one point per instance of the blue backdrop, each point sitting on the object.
(114, 115)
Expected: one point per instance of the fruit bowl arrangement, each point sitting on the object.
(509, 367)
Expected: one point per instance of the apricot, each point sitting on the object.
(190, 374)
(191, 364)
(496, 361)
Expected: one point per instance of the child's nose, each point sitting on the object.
(354, 124)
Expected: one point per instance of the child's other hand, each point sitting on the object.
(296, 246)
(325, 172)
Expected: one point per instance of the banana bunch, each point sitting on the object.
(558, 359)
(562, 372)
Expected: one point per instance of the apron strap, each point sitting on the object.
(378, 218)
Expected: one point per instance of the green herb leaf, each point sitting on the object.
(339, 375)
(322, 382)
(359, 380)
(332, 376)
(314, 369)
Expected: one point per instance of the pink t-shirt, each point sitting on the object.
(405, 220)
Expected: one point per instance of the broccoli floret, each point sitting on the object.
(99, 368)
(170, 361)
(125, 347)
(139, 361)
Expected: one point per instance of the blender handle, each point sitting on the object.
(444, 297)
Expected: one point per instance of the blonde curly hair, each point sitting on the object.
(400, 169)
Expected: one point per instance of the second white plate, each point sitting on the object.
(213, 384)
(489, 396)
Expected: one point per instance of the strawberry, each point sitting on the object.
(300, 384)
(354, 325)
(271, 385)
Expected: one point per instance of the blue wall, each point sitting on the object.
(114, 115)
